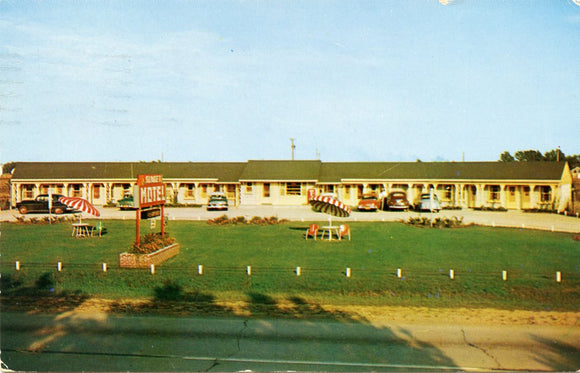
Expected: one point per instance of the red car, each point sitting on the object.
(369, 202)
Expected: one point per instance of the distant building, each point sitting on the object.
(511, 185)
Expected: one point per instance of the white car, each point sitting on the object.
(217, 201)
(426, 203)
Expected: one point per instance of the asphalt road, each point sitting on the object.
(102, 342)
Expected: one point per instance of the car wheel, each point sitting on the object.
(58, 210)
(23, 210)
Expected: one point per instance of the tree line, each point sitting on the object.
(554, 155)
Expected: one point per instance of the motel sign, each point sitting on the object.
(151, 191)
(149, 199)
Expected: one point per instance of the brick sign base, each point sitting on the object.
(128, 260)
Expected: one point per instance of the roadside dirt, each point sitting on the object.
(362, 314)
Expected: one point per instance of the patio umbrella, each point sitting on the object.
(330, 205)
(80, 204)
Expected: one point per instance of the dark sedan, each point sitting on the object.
(397, 201)
(40, 204)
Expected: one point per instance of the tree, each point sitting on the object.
(506, 157)
(8, 167)
(529, 155)
(554, 155)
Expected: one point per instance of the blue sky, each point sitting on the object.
(202, 80)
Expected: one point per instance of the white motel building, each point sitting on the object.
(511, 185)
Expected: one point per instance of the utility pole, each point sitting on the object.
(292, 146)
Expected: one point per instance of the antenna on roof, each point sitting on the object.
(292, 146)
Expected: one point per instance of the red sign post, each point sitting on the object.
(150, 192)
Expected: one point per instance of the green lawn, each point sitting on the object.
(477, 255)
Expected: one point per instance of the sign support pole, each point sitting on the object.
(162, 220)
(137, 220)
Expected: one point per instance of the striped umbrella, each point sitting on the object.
(330, 205)
(80, 204)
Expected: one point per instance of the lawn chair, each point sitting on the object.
(344, 231)
(99, 229)
(312, 231)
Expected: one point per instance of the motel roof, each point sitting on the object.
(455, 171)
(287, 170)
(225, 172)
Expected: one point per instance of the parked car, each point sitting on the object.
(40, 204)
(397, 201)
(369, 202)
(126, 203)
(217, 201)
(425, 203)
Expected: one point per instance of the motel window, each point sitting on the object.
(96, 191)
(76, 192)
(545, 194)
(494, 192)
(231, 191)
(189, 190)
(328, 189)
(293, 189)
(447, 192)
(249, 188)
(266, 190)
(203, 190)
(27, 192)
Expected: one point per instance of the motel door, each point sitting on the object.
(512, 201)
(471, 195)
(525, 195)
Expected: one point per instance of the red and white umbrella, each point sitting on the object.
(80, 204)
(330, 205)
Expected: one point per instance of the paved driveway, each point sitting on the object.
(516, 219)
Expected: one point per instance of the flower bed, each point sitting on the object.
(132, 260)
(153, 249)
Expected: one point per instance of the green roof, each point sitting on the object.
(312, 171)
(336, 172)
(281, 170)
(223, 172)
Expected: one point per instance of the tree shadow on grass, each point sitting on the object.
(42, 297)
(173, 299)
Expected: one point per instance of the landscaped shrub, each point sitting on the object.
(44, 220)
(256, 220)
(151, 242)
(421, 221)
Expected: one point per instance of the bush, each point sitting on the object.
(256, 220)
(453, 222)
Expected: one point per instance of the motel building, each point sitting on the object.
(510, 185)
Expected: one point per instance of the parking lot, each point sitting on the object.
(515, 219)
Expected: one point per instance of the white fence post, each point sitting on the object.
(399, 273)
(451, 274)
(200, 269)
(59, 266)
(17, 265)
(504, 275)
(104, 267)
(558, 276)
(152, 269)
(347, 272)
(298, 271)
(249, 270)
